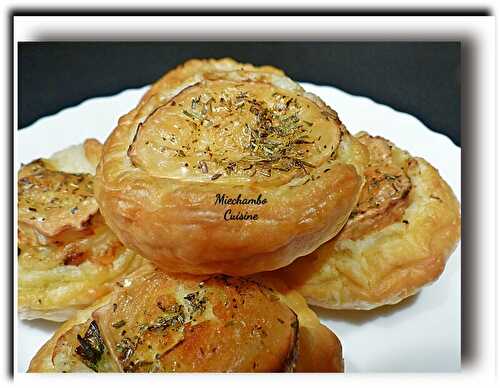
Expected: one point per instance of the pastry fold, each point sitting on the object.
(228, 168)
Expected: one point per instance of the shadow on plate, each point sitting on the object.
(359, 317)
(48, 326)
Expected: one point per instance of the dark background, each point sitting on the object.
(420, 78)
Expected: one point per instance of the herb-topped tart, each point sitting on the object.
(154, 322)
(396, 241)
(67, 256)
(219, 129)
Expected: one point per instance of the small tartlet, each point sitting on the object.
(396, 241)
(67, 256)
(213, 128)
(154, 322)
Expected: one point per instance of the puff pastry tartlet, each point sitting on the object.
(153, 322)
(397, 239)
(67, 256)
(228, 168)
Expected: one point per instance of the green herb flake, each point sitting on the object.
(119, 324)
(91, 346)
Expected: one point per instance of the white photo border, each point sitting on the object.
(477, 35)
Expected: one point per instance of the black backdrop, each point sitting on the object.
(420, 78)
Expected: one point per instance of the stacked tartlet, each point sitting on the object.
(234, 194)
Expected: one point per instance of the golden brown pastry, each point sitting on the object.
(67, 256)
(154, 322)
(228, 168)
(397, 239)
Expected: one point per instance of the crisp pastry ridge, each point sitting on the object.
(217, 127)
(67, 256)
(154, 322)
(397, 240)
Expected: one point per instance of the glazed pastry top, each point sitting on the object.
(235, 132)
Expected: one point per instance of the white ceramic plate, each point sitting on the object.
(421, 334)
